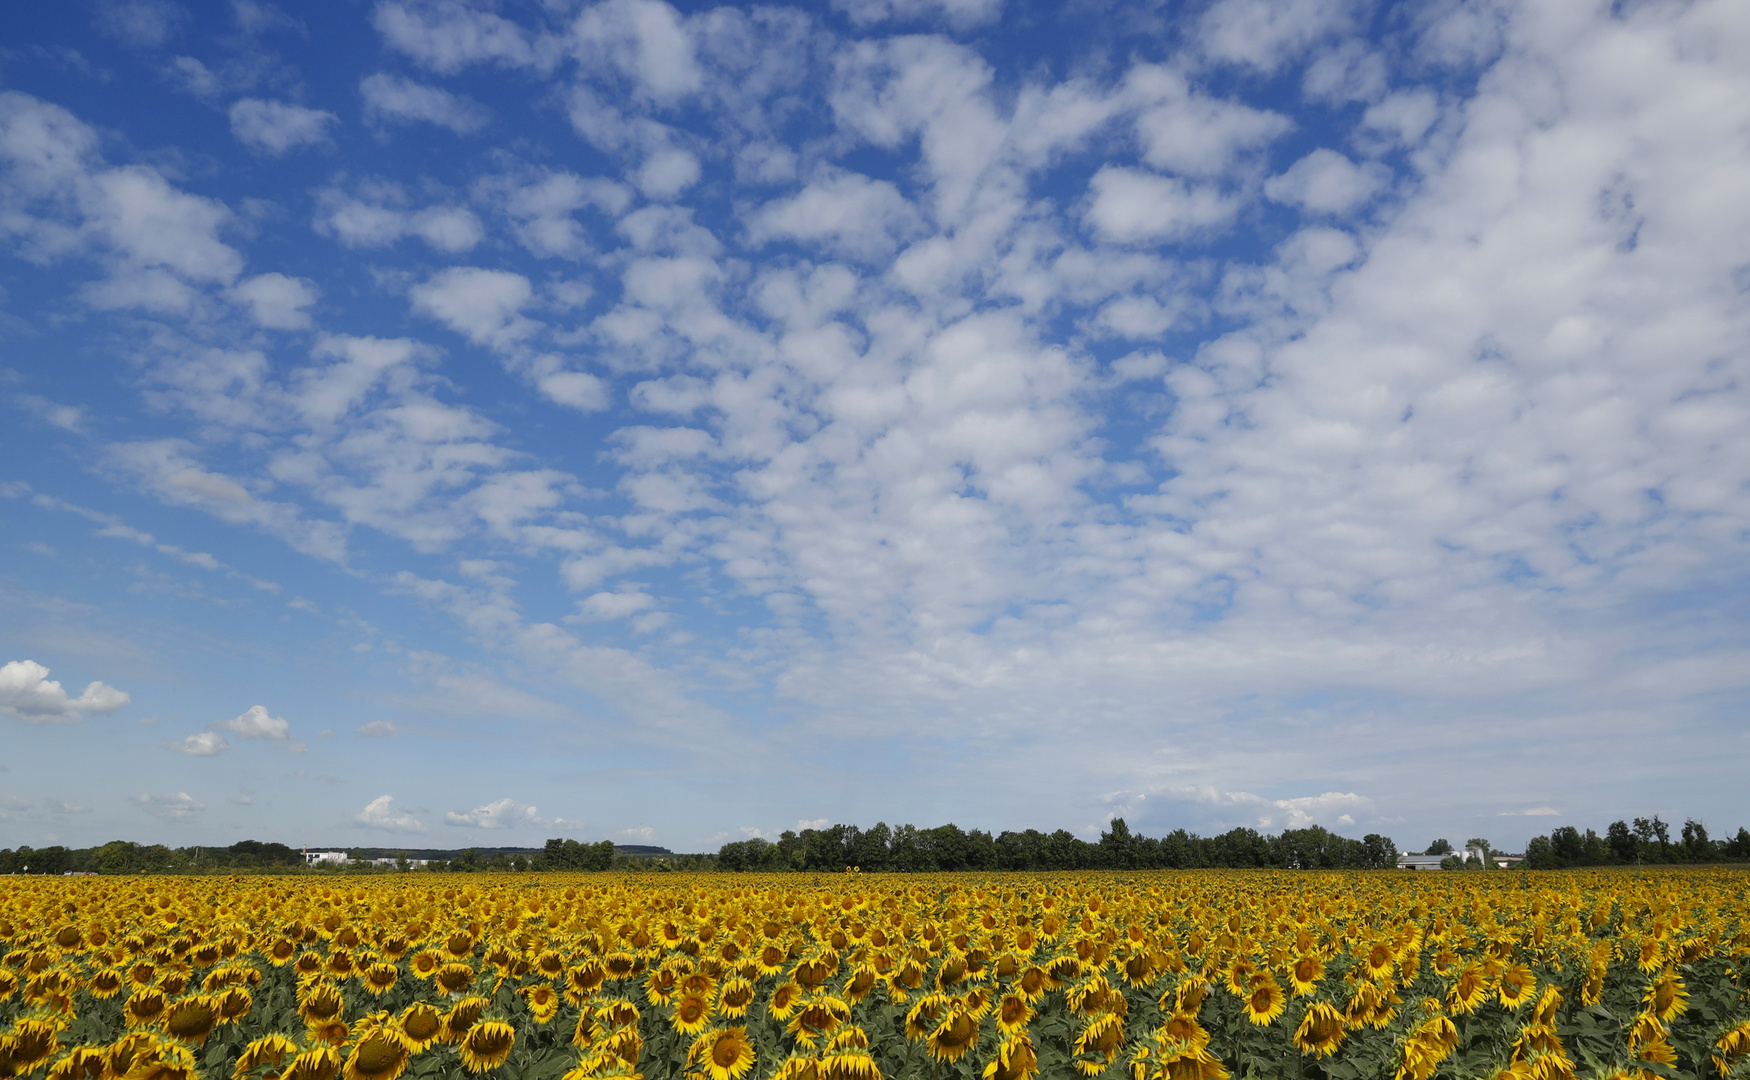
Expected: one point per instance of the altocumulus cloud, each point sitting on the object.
(1224, 417)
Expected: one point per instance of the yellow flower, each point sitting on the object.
(486, 1045)
(1266, 1001)
(380, 1055)
(723, 1054)
(1321, 1030)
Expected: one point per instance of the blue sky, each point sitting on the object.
(444, 423)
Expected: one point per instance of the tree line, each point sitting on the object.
(1645, 841)
(909, 849)
(126, 857)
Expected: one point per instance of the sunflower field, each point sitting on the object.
(1190, 974)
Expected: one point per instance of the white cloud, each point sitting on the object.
(27, 692)
(380, 814)
(959, 14)
(541, 207)
(276, 301)
(1133, 206)
(140, 24)
(485, 306)
(275, 127)
(1184, 130)
(158, 243)
(644, 40)
(378, 729)
(58, 807)
(380, 213)
(1266, 33)
(393, 98)
(1327, 182)
(204, 744)
(179, 806)
(1535, 811)
(447, 35)
(615, 605)
(845, 213)
(503, 814)
(255, 723)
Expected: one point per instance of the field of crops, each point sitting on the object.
(1173, 974)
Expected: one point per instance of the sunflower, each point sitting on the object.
(1014, 1014)
(461, 1018)
(319, 1003)
(379, 1055)
(1266, 1001)
(80, 1063)
(734, 997)
(143, 1006)
(163, 1061)
(543, 1002)
(1101, 1039)
(143, 974)
(30, 1043)
(454, 978)
(486, 1046)
(1666, 997)
(1321, 1030)
(425, 963)
(122, 1053)
(380, 977)
(582, 981)
(819, 1016)
(316, 1063)
(551, 963)
(421, 1025)
(1014, 1060)
(621, 965)
(1304, 975)
(269, 1050)
(859, 985)
(784, 1000)
(1518, 986)
(723, 1054)
(1468, 990)
(308, 963)
(692, 1014)
(192, 1019)
(953, 1037)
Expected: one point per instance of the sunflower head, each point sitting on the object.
(380, 1055)
(192, 1019)
(269, 1050)
(953, 1037)
(1265, 1002)
(722, 1054)
(421, 1025)
(486, 1046)
(1321, 1030)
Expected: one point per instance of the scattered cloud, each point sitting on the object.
(203, 744)
(379, 729)
(255, 723)
(276, 127)
(503, 814)
(179, 806)
(27, 692)
(393, 99)
(380, 813)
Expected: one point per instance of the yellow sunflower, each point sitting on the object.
(143, 1006)
(1468, 990)
(1014, 1014)
(1321, 1030)
(723, 1054)
(953, 1037)
(1518, 986)
(380, 1055)
(380, 977)
(1014, 1060)
(269, 1050)
(317, 1063)
(784, 1001)
(1666, 997)
(320, 1003)
(1265, 1002)
(692, 1014)
(192, 1019)
(80, 1063)
(461, 1018)
(1304, 975)
(421, 1025)
(486, 1045)
(734, 997)
(454, 978)
(543, 1002)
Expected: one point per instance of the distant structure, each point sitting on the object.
(1408, 861)
(324, 858)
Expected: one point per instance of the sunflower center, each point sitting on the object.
(378, 1054)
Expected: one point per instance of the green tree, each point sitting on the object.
(1441, 846)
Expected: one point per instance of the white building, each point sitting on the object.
(324, 858)
(1407, 861)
